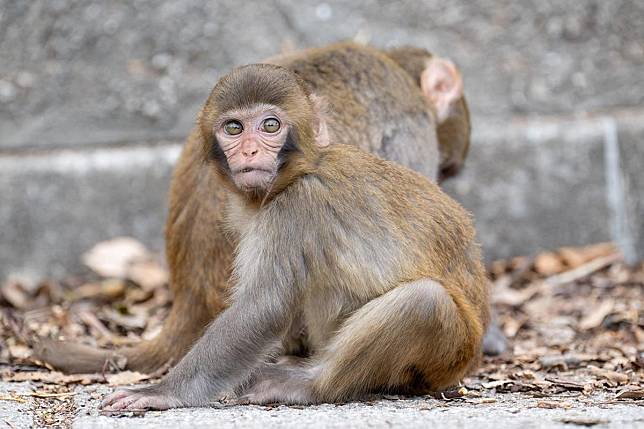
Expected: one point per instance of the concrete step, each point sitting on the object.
(56, 205)
(541, 183)
(531, 184)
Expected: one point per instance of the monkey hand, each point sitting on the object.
(144, 398)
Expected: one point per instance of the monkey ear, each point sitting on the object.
(442, 84)
(321, 129)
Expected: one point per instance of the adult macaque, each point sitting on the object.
(361, 265)
(382, 102)
(441, 84)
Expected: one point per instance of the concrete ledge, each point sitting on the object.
(531, 185)
(57, 205)
(535, 185)
(543, 183)
(631, 150)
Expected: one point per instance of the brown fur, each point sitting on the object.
(367, 262)
(454, 133)
(373, 104)
(414, 324)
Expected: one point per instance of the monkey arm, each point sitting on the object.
(234, 344)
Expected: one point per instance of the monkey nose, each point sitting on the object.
(249, 152)
(249, 148)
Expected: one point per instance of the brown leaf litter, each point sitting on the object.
(574, 319)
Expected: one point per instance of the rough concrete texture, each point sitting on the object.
(542, 181)
(55, 206)
(631, 138)
(89, 89)
(16, 413)
(93, 71)
(504, 410)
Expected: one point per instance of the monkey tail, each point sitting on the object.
(175, 339)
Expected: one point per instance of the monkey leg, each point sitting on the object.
(413, 339)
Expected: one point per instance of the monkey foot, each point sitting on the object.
(138, 399)
(494, 342)
(283, 383)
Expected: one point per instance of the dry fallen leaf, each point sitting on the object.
(13, 292)
(53, 377)
(498, 383)
(568, 384)
(512, 326)
(574, 256)
(631, 394)
(504, 295)
(548, 263)
(582, 421)
(148, 273)
(130, 321)
(112, 258)
(554, 404)
(19, 351)
(596, 315)
(612, 376)
(125, 378)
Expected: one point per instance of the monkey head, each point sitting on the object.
(253, 141)
(258, 120)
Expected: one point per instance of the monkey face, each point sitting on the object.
(251, 140)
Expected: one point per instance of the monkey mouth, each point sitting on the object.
(249, 169)
(246, 170)
(252, 178)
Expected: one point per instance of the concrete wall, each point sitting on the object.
(95, 98)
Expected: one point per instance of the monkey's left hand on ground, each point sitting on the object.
(360, 266)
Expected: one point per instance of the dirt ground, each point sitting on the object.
(574, 319)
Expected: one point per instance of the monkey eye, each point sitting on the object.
(233, 127)
(271, 125)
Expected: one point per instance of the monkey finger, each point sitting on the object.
(114, 396)
(123, 403)
(151, 402)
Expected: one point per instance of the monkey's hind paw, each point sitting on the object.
(284, 388)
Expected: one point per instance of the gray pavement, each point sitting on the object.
(498, 411)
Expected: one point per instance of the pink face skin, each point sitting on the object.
(252, 152)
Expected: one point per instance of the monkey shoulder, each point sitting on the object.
(356, 166)
(359, 176)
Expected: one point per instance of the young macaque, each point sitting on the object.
(351, 274)
(404, 105)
